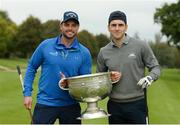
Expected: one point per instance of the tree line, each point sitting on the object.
(21, 40)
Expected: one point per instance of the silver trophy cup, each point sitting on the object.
(90, 89)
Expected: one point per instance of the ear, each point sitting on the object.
(108, 27)
(126, 27)
(78, 27)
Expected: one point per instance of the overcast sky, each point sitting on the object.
(93, 14)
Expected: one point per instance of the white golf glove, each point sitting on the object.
(145, 82)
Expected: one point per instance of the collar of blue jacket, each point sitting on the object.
(60, 45)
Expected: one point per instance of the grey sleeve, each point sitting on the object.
(101, 66)
(150, 62)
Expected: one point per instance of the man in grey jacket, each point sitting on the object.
(130, 56)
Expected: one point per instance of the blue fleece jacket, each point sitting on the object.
(54, 57)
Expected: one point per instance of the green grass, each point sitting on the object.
(11, 105)
(163, 97)
(12, 63)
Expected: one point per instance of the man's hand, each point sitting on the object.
(145, 82)
(115, 76)
(63, 82)
(28, 102)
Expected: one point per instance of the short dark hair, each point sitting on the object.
(117, 15)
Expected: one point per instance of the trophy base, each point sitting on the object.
(94, 114)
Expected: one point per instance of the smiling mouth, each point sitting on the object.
(70, 32)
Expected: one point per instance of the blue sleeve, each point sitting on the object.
(86, 64)
(33, 65)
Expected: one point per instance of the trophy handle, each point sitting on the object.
(61, 86)
(111, 80)
(115, 81)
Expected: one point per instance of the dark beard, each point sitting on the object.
(68, 37)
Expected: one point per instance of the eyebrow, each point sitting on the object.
(115, 24)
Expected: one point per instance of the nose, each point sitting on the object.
(70, 27)
(117, 27)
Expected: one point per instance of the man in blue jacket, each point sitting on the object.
(62, 54)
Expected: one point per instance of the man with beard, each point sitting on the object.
(62, 54)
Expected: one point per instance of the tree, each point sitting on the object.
(28, 36)
(169, 17)
(4, 15)
(177, 57)
(51, 28)
(88, 40)
(164, 54)
(158, 38)
(102, 40)
(7, 33)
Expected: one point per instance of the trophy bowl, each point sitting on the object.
(90, 89)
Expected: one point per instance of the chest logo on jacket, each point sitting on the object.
(63, 54)
(132, 55)
(54, 53)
